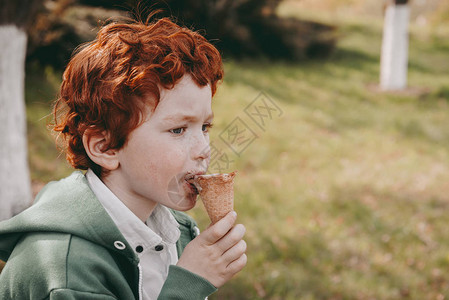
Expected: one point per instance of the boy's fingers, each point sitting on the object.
(215, 232)
(233, 237)
(235, 252)
(237, 264)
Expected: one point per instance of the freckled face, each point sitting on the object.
(172, 143)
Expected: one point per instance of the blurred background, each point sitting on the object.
(343, 186)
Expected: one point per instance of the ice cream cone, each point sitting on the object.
(217, 193)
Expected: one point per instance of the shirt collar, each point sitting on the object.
(162, 226)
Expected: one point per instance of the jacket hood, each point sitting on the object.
(66, 206)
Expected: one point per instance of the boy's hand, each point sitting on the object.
(218, 253)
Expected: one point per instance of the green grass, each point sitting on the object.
(46, 161)
(344, 196)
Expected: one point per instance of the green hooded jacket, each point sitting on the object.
(66, 246)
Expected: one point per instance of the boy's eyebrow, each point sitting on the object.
(182, 117)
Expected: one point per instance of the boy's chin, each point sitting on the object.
(183, 203)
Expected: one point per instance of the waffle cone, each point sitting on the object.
(217, 193)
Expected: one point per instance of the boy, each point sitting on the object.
(134, 111)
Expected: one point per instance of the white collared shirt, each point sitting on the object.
(154, 241)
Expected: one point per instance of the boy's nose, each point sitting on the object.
(200, 148)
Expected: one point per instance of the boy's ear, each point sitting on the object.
(94, 144)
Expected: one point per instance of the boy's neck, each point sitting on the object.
(142, 209)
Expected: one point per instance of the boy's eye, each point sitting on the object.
(206, 127)
(177, 130)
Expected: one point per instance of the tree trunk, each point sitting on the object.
(15, 186)
(394, 57)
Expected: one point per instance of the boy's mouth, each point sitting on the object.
(190, 179)
(194, 188)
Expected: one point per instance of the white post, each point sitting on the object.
(15, 185)
(394, 57)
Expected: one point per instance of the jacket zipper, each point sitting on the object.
(140, 281)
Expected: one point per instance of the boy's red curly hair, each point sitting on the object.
(109, 83)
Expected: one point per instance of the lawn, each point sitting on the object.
(343, 189)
